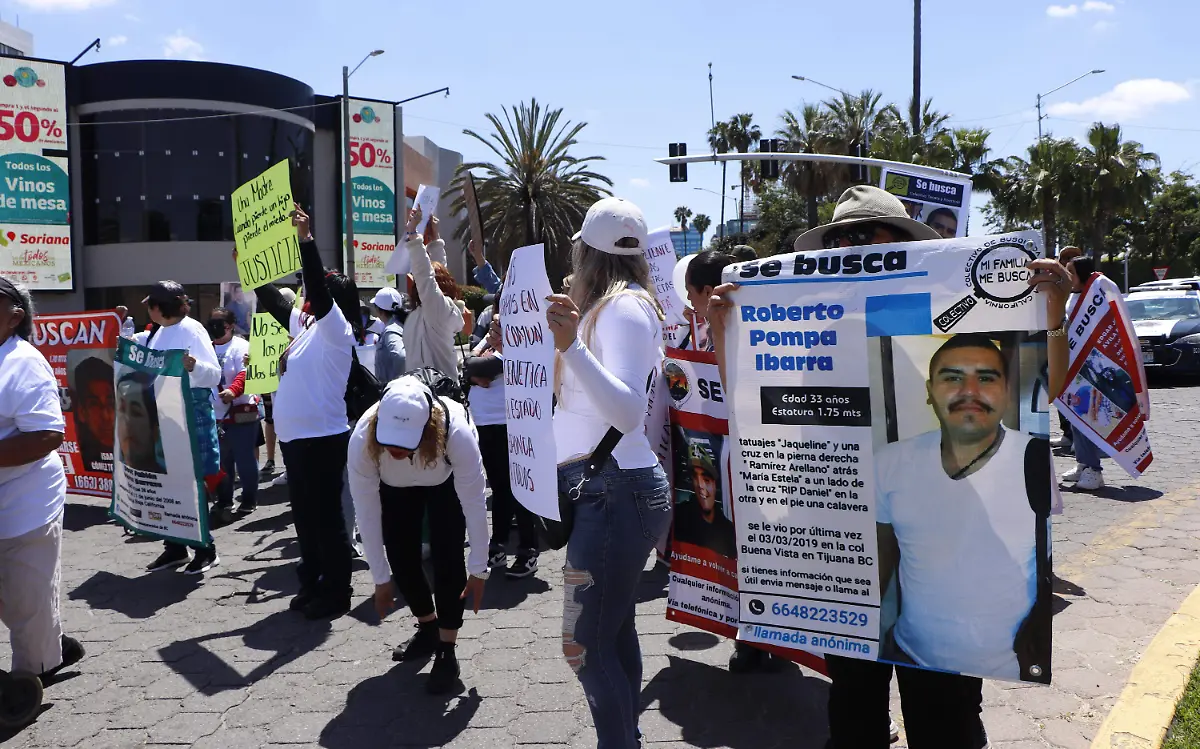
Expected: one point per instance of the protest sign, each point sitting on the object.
(267, 248)
(79, 347)
(942, 203)
(888, 504)
(660, 254)
(427, 200)
(529, 382)
(473, 209)
(1105, 394)
(372, 135)
(241, 302)
(268, 341)
(158, 481)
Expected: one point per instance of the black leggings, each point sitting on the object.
(941, 711)
(493, 444)
(403, 509)
(314, 476)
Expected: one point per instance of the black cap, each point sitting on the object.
(167, 291)
(489, 300)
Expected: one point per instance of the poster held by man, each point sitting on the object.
(158, 479)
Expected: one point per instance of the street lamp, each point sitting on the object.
(822, 85)
(1060, 88)
(347, 199)
(721, 228)
(445, 89)
(94, 45)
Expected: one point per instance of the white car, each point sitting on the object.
(1166, 319)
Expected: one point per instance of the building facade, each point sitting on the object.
(15, 41)
(687, 241)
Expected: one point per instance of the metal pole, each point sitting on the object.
(1039, 112)
(401, 189)
(347, 199)
(916, 102)
(713, 118)
(712, 110)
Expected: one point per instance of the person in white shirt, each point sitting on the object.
(390, 356)
(606, 361)
(33, 491)
(414, 455)
(432, 293)
(961, 534)
(168, 306)
(237, 412)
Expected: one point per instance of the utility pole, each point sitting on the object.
(916, 98)
(713, 118)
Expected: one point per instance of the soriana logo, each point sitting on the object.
(25, 77)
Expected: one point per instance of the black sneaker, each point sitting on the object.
(171, 557)
(204, 561)
(497, 557)
(746, 658)
(72, 653)
(301, 599)
(444, 675)
(268, 470)
(245, 508)
(321, 607)
(523, 566)
(421, 645)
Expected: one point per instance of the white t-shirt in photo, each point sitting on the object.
(967, 553)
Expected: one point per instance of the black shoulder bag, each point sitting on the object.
(362, 389)
(556, 533)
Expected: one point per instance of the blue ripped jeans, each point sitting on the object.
(619, 518)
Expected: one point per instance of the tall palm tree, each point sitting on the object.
(854, 121)
(1032, 191)
(538, 191)
(741, 135)
(808, 132)
(1116, 178)
(701, 223)
(718, 141)
(682, 214)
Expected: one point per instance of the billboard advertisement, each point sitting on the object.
(373, 190)
(35, 204)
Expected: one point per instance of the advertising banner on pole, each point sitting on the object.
(158, 480)
(263, 233)
(942, 203)
(1106, 394)
(373, 187)
(80, 347)
(891, 476)
(35, 186)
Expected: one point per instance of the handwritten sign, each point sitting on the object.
(427, 200)
(529, 382)
(660, 254)
(268, 340)
(262, 228)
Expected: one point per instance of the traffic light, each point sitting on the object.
(678, 171)
(769, 169)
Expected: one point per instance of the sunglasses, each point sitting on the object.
(858, 235)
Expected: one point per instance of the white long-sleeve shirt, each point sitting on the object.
(188, 334)
(604, 383)
(429, 329)
(466, 465)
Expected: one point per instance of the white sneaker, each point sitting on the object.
(893, 732)
(1071, 476)
(1090, 480)
(1063, 441)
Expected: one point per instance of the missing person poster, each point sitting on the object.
(891, 479)
(80, 346)
(373, 190)
(241, 302)
(158, 482)
(1106, 394)
(941, 203)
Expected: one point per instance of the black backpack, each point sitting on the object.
(442, 385)
(363, 389)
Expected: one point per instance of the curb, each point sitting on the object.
(1143, 713)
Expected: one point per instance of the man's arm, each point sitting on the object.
(28, 447)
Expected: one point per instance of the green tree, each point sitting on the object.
(739, 133)
(808, 132)
(1116, 178)
(1168, 235)
(1029, 192)
(682, 214)
(853, 122)
(701, 223)
(538, 191)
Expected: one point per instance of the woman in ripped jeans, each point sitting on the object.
(608, 332)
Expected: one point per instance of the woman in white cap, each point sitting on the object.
(390, 357)
(414, 455)
(609, 335)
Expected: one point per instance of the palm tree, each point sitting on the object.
(808, 132)
(538, 191)
(1116, 178)
(682, 214)
(701, 223)
(854, 121)
(741, 134)
(718, 141)
(1030, 192)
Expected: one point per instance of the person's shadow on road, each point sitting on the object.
(394, 707)
(135, 597)
(714, 708)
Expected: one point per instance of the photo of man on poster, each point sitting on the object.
(701, 517)
(93, 403)
(962, 520)
(944, 221)
(139, 434)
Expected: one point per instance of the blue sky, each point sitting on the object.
(637, 71)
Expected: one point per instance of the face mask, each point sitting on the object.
(216, 329)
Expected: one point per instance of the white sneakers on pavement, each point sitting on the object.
(1084, 479)
(1071, 476)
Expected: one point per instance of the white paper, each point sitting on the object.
(427, 200)
(529, 382)
(660, 254)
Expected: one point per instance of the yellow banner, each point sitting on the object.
(262, 228)
(267, 342)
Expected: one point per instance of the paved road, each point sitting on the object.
(220, 662)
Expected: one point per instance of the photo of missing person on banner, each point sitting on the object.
(702, 514)
(93, 403)
(1101, 393)
(963, 501)
(139, 432)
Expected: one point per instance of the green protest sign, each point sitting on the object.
(268, 340)
(267, 249)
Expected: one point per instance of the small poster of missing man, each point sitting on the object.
(891, 472)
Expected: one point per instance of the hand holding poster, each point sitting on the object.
(427, 200)
(888, 504)
(267, 248)
(529, 382)
(1106, 394)
(80, 346)
(158, 485)
(268, 340)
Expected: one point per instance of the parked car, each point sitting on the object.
(1167, 322)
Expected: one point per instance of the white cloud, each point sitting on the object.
(1096, 6)
(1127, 100)
(1101, 26)
(56, 5)
(639, 182)
(117, 41)
(179, 45)
(1062, 11)
(132, 17)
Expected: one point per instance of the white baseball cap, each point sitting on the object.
(611, 220)
(403, 413)
(387, 299)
